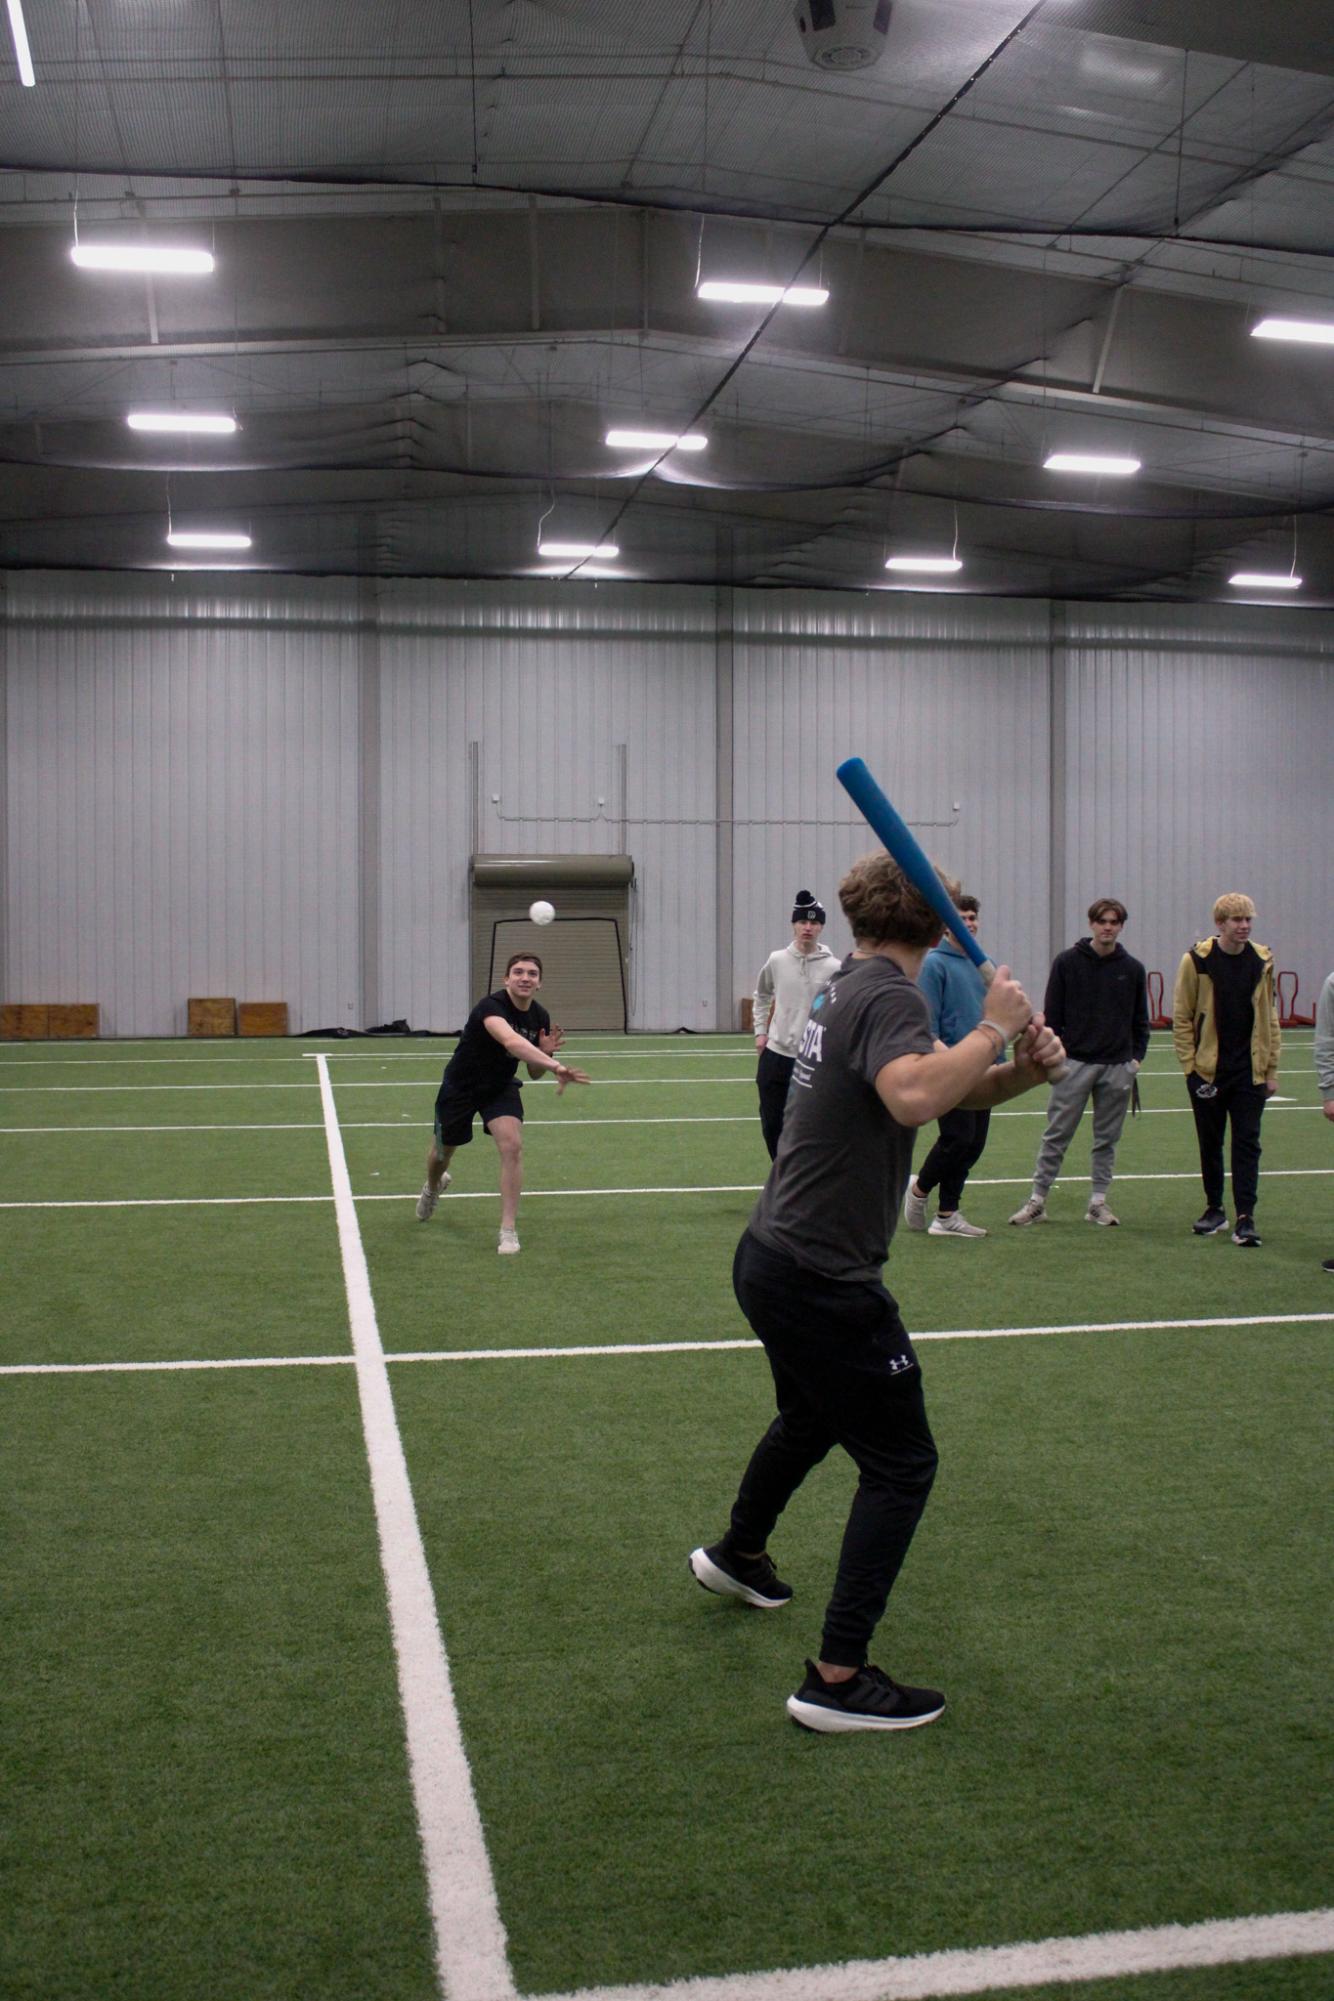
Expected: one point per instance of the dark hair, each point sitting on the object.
(967, 903)
(1102, 904)
(882, 906)
(514, 959)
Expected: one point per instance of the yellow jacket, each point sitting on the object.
(1194, 1030)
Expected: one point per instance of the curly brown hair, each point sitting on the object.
(882, 906)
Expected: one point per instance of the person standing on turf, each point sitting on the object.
(1226, 1036)
(789, 980)
(1097, 1002)
(1324, 1059)
(504, 1029)
(954, 992)
(807, 1276)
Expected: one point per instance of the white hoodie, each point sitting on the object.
(788, 983)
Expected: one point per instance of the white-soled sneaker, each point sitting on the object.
(508, 1247)
(429, 1196)
(1098, 1212)
(1032, 1211)
(914, 1209)
(956, 1225)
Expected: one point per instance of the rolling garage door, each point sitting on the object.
(584, 953)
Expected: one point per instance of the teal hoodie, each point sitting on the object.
(952, 988)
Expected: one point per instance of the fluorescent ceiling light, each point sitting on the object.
(1091, 462)
(607, 552)
(139, 257)
(657, 441)
(733, 292)
(179, 420)
(18, 29)
(1319, 333)
(1262, 580)
(944, 566)
(206, 538)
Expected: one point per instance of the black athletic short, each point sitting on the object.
(455, 1112)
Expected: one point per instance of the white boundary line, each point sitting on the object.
(469, 1936)
(614, 1350)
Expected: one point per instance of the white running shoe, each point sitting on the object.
(956, 1225)
(1098, 1212)
(429, 1196)
(508, 1247)
(1032, 1211)
(914, 1209)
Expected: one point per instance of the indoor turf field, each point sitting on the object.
(1120, 1582)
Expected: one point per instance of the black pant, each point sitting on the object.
(844, 1374)
(959, 1148)
(1243, 1103)
(773, 1074)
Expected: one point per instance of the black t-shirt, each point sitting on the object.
(835, 1189)
(479, 1067)
(1235, 976)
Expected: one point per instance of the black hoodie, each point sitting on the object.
(1098, 1006)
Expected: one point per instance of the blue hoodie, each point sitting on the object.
(952, 988)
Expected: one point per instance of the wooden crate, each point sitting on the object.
(261, 1018)
(24, 1021)
(73, 1021)
(745, 1008)
(211, 1017)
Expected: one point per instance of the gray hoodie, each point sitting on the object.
(788, 983)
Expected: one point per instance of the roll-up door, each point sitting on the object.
(584, 953)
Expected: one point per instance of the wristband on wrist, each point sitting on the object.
(993, 1029)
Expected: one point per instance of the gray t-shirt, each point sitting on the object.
(835, 1189)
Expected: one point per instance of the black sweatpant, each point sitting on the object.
(844, 1374)
(959, 1148)
(1242, 1102)
(773, 1074)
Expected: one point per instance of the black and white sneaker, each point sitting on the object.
(753, 1579)
(872, 1700)
(1246, 1233)
(1210, 1223)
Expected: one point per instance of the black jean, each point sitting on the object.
(1243, 1103)
(959, 1148)
(844, 1374)
(773, 1074)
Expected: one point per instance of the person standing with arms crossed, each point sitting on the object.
(1324, 1059)
(807, 1275)
(789, 980)
(1097, 1002)
(1226, 1036)
(954, 992)
(505, 1029)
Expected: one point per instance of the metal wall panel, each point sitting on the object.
(181, 765)
(946, 699)
(1198, 759)
(591, 709)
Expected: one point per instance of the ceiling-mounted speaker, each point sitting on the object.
(843, 34)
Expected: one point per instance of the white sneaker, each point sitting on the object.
(956, 1225)
(1098, 1212)
(508, 1247)
(429, 1196)
(1032, 1211)
(914, 1209)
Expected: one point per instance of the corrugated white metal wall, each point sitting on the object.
(1199, 758)
(272, 788)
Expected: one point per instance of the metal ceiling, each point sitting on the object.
(456, 241)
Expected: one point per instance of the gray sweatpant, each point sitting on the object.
(1109, 1085)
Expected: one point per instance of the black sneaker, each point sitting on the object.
(1246, 1233)
(1210, 1223)
(872, 1700)
(1328, 1265)
(750, 1578)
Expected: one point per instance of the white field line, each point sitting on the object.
(615, 1350)
(561, 1194)
(469, 1937)
(989, 1969)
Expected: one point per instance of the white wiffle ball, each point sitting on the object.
(541, 912)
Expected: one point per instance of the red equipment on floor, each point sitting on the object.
(1157, 1019)
(1288, 1016)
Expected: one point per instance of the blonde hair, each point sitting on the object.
(882, 906)
(1233, 905)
